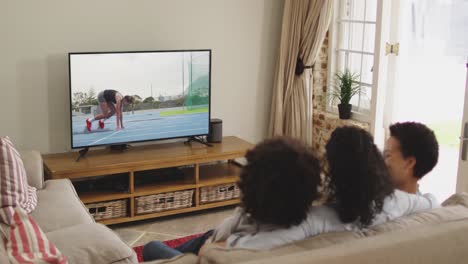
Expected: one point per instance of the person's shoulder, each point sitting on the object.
(238, 210)
(396, 198)
(431, 197)
(399, 195)
(427, 198)
(325, 209)
(326, 212)
(321, 219)
(240, 215)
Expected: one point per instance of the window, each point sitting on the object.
(352, 46)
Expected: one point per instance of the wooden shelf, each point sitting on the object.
(103, 162)
(218, 204)
(188, 182)
(163, 188)
(218, 174)
(114, 221)
(141, 160)
(93, 197)
(165, 213)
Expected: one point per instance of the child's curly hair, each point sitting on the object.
(280, 181)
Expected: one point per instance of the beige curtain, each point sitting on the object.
(305, 24)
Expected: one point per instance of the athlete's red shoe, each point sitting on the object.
(101, 124)
(88, 125)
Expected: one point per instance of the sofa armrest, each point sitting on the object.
(91, 243)
(32, 161)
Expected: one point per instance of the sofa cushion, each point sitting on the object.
(33, 165)
(446, 243)
(214, 254)
(457, 199)
(14, 188)
(27, 243)
(328, 239)
(59, 207)
(91, 243)
(454, 209)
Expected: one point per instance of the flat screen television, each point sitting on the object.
(127, 97)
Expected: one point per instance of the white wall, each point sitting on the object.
(35, 37)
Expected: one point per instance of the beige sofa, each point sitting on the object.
(435, 236)
(67, 223)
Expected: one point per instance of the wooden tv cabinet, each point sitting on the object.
(203, 166)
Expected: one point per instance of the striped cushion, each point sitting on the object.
(14, 188)
(26, 243)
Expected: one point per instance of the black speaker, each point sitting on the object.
(216, 131)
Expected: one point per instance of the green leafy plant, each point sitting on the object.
(345, 87)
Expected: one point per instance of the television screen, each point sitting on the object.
(124, 97)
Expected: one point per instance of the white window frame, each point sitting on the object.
(332, 57)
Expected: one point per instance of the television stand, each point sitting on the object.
(82, 153)
(125, 184)
(199, 140)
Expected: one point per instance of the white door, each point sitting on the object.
(426, 79)
(462, 180)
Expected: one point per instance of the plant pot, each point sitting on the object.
(345, 111)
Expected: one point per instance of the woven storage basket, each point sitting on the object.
(107, 210)
(219, 193)
(163, 202)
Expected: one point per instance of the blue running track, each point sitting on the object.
(143, 125)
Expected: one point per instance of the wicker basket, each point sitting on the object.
(108, 210)
(163, 202)
(219, 193)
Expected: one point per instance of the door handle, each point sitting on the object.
(464, 140)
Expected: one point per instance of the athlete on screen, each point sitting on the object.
(111, 102)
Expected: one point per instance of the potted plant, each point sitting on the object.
(345, 88)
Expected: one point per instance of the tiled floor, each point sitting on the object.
(166, 228)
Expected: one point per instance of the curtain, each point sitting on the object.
(305, 24)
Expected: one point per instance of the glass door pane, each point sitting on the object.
(429, 84)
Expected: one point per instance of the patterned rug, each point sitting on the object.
(171, 243)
